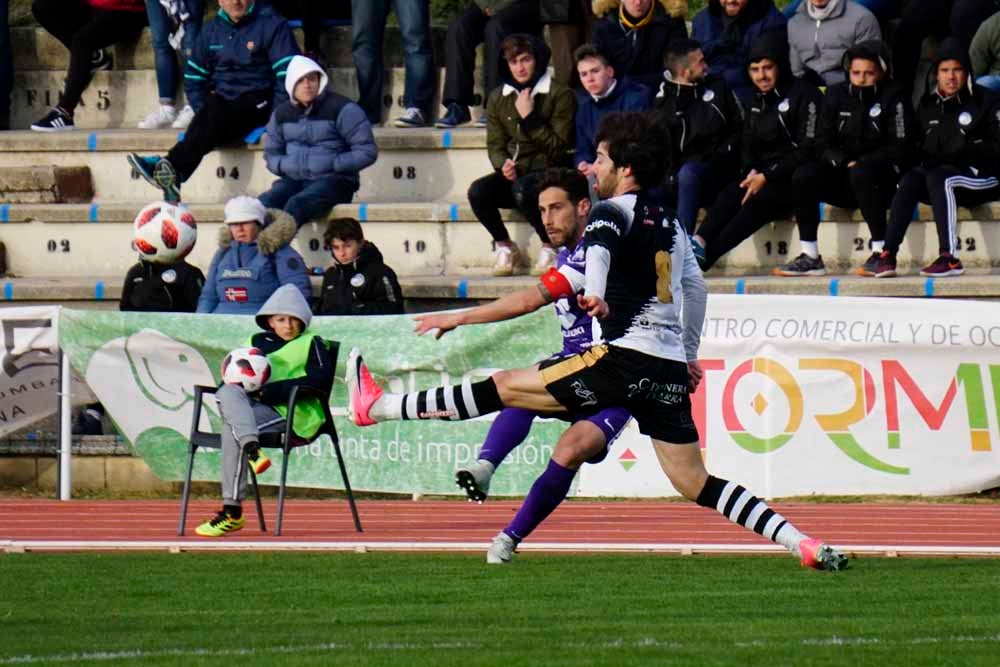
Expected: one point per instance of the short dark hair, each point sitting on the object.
(635, 140)
(589, 52)
(514, 45)
(569, 180)
(677, 54)
(344, 229)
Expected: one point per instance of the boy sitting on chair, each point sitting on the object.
(298, 357)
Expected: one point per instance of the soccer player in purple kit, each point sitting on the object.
(643, 281)
(564, 204)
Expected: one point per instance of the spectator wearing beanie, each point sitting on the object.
(779, 136)
(634, 35)
(316, 143)
(601, 94)
(866, 137)
(234, 79)
(959, 126)
(86, 28)
(728, 29)
(530, 128)
(253, 260)
(704, 122)
(358, 282)
(821, 31)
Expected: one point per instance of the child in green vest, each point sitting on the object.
(297, 357)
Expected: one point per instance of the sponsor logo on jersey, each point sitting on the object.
(581, 390)
(598, 224)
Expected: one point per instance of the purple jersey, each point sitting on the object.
(579, 330)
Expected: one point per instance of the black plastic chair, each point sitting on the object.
(285, 440)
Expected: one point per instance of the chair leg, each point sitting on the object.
(256, 497)
(347, 486)
(187, 489)
(281, 489)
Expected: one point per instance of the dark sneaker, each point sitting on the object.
(456, 115)
(803, 265)
(868, 268)
(699, 252)
(166, 179)
(412, 117)
(56, 120)
(943, 266)
(885, 267)
(474, 479)
(144, 166)
(101, 61)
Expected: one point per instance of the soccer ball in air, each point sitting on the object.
(247, 366)
(164, 233)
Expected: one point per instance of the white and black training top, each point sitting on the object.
(639, 259)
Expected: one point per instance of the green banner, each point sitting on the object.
(143, 367)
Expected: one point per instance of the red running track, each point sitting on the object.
(31, 524)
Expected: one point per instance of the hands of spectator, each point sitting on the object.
(443, 322)
(509, 170)
(752, 183)
(695, 374)
(524, 103)
(585, 168)
(852, 164)
(594, 305)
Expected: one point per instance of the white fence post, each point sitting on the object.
(65, 428)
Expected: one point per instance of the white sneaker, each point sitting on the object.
(501, 550)
(159, 119)
(184, 118)
(546, 260)
(475, 479)
(506, 259)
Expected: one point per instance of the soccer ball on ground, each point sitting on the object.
(164, 233)
(247, 366)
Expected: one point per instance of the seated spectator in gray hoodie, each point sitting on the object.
(821, 31)
(317, 143)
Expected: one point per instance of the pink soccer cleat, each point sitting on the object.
(820, 556)
(362, 390)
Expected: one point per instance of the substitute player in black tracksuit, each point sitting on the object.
(704, 122)
(866, 143)
(779, 136)
(959, 160)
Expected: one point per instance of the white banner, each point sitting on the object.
(836, 395)
(28, 372)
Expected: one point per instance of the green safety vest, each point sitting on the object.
(289, 363)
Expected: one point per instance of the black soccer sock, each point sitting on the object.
(234, 511)
(454, 402)
(742, 507)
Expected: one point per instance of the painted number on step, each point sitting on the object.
(781, 247)
(419, 246)
(409, 173)
(62, 245)
(968, 243)
(47, 98)
(233, 173)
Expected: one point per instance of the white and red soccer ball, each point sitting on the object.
(164, 233)
(247, 366)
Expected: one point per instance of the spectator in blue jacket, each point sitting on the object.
(728, 29)
(602, 93)
(253, 260)
(234, 79)
(317, 142)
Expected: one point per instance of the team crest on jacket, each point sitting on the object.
(875, 111)
(783, 106)
(357, 280)
(965, 118)
(708, 96)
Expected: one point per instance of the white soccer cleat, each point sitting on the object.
(475, 480)
(501, 549)
(362, 390)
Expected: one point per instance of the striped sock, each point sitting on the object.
(740, 506)
(453, 403)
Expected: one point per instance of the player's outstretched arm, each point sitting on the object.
(507, 307)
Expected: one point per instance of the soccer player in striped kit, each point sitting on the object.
(643, 281)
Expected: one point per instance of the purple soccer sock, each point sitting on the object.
(546, 493)
(508, 430)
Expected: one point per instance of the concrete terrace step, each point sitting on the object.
(120, 99)
(35, 49)
(105, 290)
(413, 164)
(438, 238)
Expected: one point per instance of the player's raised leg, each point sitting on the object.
(368, 404)
(683, 465)
(586, 441)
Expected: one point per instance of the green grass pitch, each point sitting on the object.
(453, 609)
